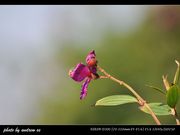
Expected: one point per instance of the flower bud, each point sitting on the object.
(92, 62)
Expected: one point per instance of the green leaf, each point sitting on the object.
(158, 89)
(176, 76)
(172, 96)
(115, 100)
(157, 108)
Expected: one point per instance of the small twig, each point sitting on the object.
(103, 77)
(174, 113)
(139, 98)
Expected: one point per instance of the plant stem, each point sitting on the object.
(139, 98)
(175, 115)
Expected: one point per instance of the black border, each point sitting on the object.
(90, 2)
(91, 129)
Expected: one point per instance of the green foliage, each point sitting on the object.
(157, 108)
(172, 96)
(115, 100)
(157, 89)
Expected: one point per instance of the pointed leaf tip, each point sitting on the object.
(177, 62)
(176, 76)
(166, 82)
(157, 89)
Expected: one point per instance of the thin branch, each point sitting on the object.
(103, 77)
(139, 98)
(175, 115)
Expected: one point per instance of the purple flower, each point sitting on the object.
(84, 88)
(91, 59)
(85, 72)
(80, 72)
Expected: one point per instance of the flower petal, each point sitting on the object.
(91, 57)
(84, 89)
(80, 72)
(93, 69)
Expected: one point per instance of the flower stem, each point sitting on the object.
(139, 98)
(174, 113)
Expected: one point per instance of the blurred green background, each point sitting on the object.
(137, 44)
